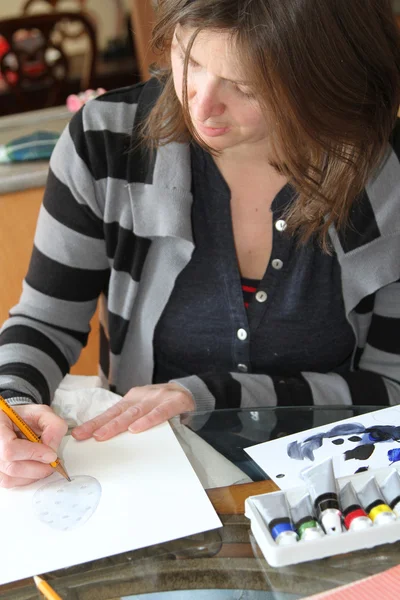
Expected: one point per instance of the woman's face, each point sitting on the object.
(223, 110)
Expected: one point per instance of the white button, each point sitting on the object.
(242, 368)
(261, 296)
(277, 263)
(281, 225)
(242, 334)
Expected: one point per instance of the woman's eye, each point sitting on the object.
(247, 93)
(192, 63)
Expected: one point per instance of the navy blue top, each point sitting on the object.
(297, 324)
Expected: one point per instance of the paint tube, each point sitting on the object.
(391, 491)
(371, 499)
(274, 510)
(306, 525)
(355, 518)
(321, 483)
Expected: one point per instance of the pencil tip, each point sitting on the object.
(60, 469)
(37, 579)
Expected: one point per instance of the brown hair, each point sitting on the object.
(327, 71)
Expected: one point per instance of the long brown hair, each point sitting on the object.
(327, 73)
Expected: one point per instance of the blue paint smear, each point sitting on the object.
(345, 429)
(302, 450)
(299, 450)
(394, 455)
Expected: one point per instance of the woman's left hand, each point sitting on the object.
(140, 409)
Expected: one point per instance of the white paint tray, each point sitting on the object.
(303, 551)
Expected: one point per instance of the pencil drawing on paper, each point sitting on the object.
(365, 439)
(64, 505)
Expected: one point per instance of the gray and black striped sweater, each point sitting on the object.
(116, 224)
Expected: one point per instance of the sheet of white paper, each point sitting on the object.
(349, 446)
(130, 492)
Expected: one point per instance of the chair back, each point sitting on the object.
(44, 6)
(52, 4)
(36, 59)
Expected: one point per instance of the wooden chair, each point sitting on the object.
(37, 61)
(44, 6)
(53, 4)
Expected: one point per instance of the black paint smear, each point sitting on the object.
(355, 438)
(338, 442)
(382, 433)
(362, 452)
(280, 475)
(361, 470)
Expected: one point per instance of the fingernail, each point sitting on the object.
(133, 429)
(52, 444)
(100, 433)
(81, 430)
(49, 457)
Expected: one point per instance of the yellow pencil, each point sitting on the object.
(46, 589)
(29, 434)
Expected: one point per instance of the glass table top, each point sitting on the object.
(224, 563)
(230, 431)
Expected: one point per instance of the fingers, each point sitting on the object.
(22, 461)
(24, 469)
(142, 408)
(178, 402)
(86, 430)
(157, 405)
(16, 449)
(119, 424)
(155, 416)
(10, 482)
(44, 420)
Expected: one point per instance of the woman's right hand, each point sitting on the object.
(23, 462)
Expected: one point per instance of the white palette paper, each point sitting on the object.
(138, 490)
(274, 459)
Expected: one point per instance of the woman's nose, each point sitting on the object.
(206, 104)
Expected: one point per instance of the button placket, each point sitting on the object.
(226, 263)
(242, 350)
(264, 298)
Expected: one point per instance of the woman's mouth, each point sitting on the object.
(211, 131)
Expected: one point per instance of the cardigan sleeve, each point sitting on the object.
(68, 269)
(375, 380)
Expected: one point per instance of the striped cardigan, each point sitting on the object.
(116, 224)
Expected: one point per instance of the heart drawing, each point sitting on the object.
(65, 505)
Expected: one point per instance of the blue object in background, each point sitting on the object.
(36, 146)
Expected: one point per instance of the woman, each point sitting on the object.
(239, 218)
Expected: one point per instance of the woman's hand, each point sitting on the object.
(141, 408)
(21, 461)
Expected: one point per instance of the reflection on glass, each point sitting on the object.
(214, 595)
